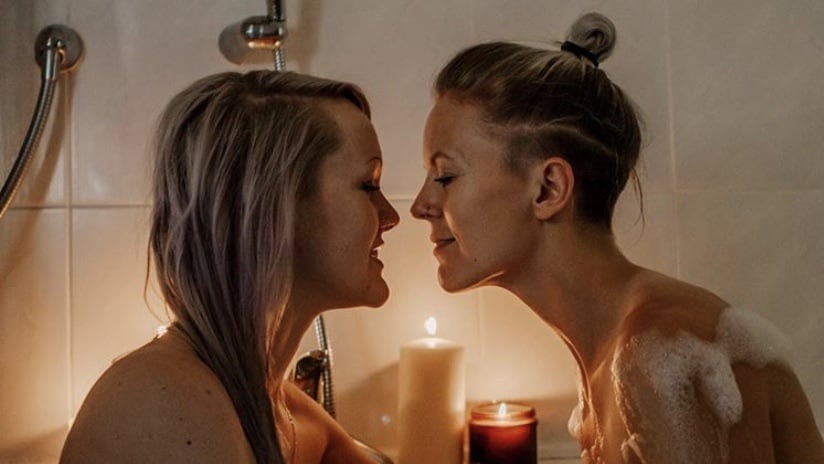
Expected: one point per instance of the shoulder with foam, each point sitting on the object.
(750, 338)
(670, 356)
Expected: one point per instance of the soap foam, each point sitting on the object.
(661, 383)
(747, 337)
(677, 394)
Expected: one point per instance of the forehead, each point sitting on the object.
(359, 142)
(450, 114)
(457, 130)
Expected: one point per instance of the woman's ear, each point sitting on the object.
(556, 183)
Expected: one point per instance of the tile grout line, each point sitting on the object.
(67, 194)
(69, 252)
(411, 198)
(68, 245)
(671, 114)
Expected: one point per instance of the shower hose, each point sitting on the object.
(57, 48)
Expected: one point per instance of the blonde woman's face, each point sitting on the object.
(340, 225)
(478, 209)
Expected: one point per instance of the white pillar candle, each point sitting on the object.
(432, 400)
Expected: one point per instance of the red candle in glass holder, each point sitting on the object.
(503, 433)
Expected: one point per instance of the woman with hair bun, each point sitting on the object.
(267, 211)
(526, 152)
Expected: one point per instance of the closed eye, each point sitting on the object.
(369, 187)
(444, 180)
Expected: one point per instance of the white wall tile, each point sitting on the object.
(109, 314)
(747, 103)
(33, 363)
(763, 251)
(139, 54)
(647, 237)
(44, 182)
(147, 59)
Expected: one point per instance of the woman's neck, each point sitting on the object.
(293, 325)
(583, 290)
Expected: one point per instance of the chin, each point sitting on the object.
(376, 295)
(453, 282)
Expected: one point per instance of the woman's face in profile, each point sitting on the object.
(340, 225)
(477, 207)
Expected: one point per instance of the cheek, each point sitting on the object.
(475, 214)
(489, 227)
(350, 231)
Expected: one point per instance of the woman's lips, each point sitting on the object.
(443, 243)
(375, 248)
(373, 257)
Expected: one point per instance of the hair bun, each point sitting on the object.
(595, 33)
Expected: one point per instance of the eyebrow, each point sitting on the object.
(438, 154)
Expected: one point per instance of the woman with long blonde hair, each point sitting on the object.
(267, 211)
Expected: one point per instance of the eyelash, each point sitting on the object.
(370, 187)
(444, 180)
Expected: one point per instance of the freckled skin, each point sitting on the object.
(341, 222)
(129, 415)
(184, 422)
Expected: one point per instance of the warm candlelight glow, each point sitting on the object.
(431, 326)
(431, 400)
(503, 433)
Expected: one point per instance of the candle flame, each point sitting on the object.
(502, 410)
(431, 326)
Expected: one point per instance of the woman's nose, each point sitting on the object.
(422, 206)
(389, 216)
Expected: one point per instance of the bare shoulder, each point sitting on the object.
(320, 437)
(671, 306)
(735, 366)
(157, 404)
(795, 433)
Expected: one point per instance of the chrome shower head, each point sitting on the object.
(239, 41)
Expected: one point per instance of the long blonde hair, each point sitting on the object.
(234, 153)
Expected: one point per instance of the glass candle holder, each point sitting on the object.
(503, 433)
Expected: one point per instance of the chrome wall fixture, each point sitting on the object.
(57, 49)
(239, 41)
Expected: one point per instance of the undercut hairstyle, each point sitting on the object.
(556, 103)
